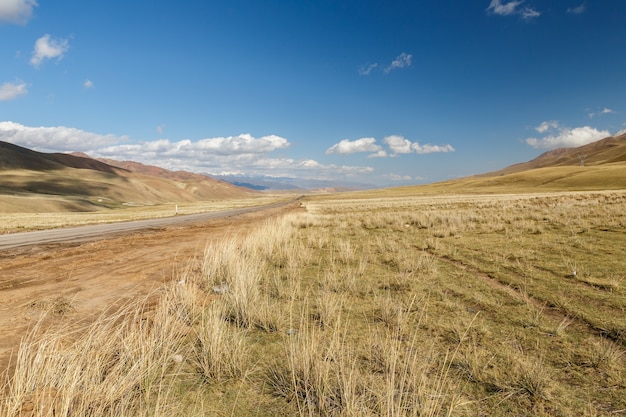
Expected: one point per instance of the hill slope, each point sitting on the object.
(35, 181)
(605, 151)
(557, 170)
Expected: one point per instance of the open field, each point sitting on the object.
(366, 304)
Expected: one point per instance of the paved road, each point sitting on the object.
(84, 233)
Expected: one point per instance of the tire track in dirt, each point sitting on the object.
(536, 303)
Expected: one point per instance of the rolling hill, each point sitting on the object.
(604, 168)
(39, 182)
(556, 170)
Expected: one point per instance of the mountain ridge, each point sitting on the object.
(95, 184)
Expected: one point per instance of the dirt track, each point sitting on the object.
(93, 276)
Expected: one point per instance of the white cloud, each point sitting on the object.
(601, 112)
(346, 147)
(88, 84)
(562, 137)
(58, 138)
(545, 126)
(529, 13)
(424, 149)
(396, 177)
(577, 10)
(366, 69)
(242, 147)
(10, 91)
(16, 11)
(379, 154)
(234, 154)
(48, 48)
(511, 8)
(400, 145)
(402, 61)
(496, 7)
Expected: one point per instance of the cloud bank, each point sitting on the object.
(16, 11)
(241, 154)
(563, 137)
(55, 139)
(10, 91)
(48, 48)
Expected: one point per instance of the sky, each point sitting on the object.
(375, 92)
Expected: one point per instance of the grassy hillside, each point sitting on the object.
(558, 170)
(39, 182)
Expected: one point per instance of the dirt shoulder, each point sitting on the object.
(86, 279)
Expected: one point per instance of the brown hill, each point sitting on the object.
(88, 184)
(605, 151)
(155, 170)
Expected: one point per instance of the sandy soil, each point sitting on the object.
(95, 276)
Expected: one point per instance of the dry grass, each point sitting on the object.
(390, 306)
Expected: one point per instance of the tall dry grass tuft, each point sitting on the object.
(320, 374)
(117, 366)
(219, 351)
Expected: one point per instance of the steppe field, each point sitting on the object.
(384, 303)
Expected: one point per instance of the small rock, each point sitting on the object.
(220, 289)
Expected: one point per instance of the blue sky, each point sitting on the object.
(386, 93)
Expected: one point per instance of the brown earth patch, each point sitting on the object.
(76, 283)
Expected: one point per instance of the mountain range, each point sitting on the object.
(36, 181)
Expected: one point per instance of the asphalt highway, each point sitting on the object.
(92, 232)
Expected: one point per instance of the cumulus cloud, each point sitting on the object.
(10, 91)
(88, 84)
(511, 8)
(428, 148)
(60, 138)
(48, 48)
(379, 154)
(238, 147)
(346, 147)
(400, 145)
(161, 153)
(545, 126)
(241, 154)
(577, 10)
(16, 11)
(562, 137)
